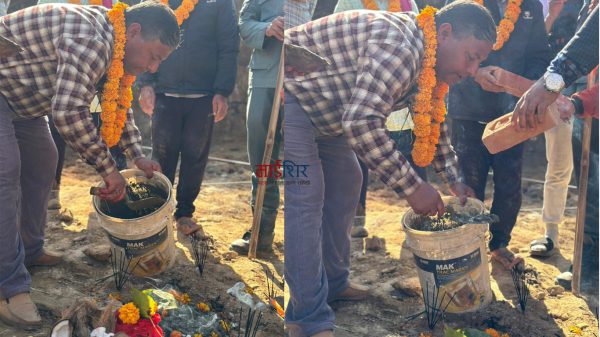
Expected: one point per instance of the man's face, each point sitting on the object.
(141, 55)
(458, 58)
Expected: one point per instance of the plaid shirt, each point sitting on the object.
(298, 12)
(67, 51)
(375, 61)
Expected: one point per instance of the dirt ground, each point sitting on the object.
(392, 275)
(223, 209)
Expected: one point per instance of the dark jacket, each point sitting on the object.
(206, 60)
(526, 53)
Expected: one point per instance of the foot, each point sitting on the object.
(326, 333)
(187, 226)
(20, 311)
(47, 259)
(353, 292)
(542, 247)
(242, 246)
(564, 280)
(358, 228)
(54, 200)
(507, 259)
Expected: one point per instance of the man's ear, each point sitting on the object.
(133, 30)
(445, 32)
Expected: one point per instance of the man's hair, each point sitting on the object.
(468, 18)
(157, 20)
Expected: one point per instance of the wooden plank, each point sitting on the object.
(582, 196)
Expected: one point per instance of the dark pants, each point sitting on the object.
(61, 147)
(590, 242)
(475, 162)
(183, 126)
(404, 143)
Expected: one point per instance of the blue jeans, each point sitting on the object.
(319, 209)
(27, 163)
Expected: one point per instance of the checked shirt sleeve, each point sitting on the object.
(444, 162)
(386, 70)
(131, 139)
(81, 64)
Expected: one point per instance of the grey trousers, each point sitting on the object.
(319, 209)
(28, 159)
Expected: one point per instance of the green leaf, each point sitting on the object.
(449, 332)
(141, 302)
(475, 333)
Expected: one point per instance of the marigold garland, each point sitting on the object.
(182, 12)
(393, 5)
(507, 24)
(116, 94)
(429, 108)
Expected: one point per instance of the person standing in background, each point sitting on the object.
(188, 95)
(261, 27)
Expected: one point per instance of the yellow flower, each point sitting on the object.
(429, 109)
(129, 313)
(214, 334)
(224, 325)
(153, 306)
(507, 24)
(185, 298)
(182, 12)
(203, 307)
(197, 335)
(116, 97)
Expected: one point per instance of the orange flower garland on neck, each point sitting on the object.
(393, 5)
(116, 94)
(429, 108)
(182, 12)
(507, 24)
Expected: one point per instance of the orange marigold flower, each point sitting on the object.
(129, 313)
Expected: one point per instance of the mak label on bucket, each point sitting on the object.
(141, 246)
(447, 271)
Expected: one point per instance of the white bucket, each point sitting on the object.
(453, 260)
(147, 240)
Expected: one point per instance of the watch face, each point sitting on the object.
(554, 82)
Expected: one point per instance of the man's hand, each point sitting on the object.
(462, 191)
(148, 166)
(147, 100)
(426, 201)
(220, 107)
(555, 7)
(114, 187)
(532, 106)
(486, 78)
(275, 29)
(565, 108)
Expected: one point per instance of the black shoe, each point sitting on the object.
(242, 246)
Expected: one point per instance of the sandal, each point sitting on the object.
(542, 247)
(507, 259)
(187, 226)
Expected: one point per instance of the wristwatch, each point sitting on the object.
(553, 82)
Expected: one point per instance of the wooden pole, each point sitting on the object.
(270, 141)
(582, 197)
